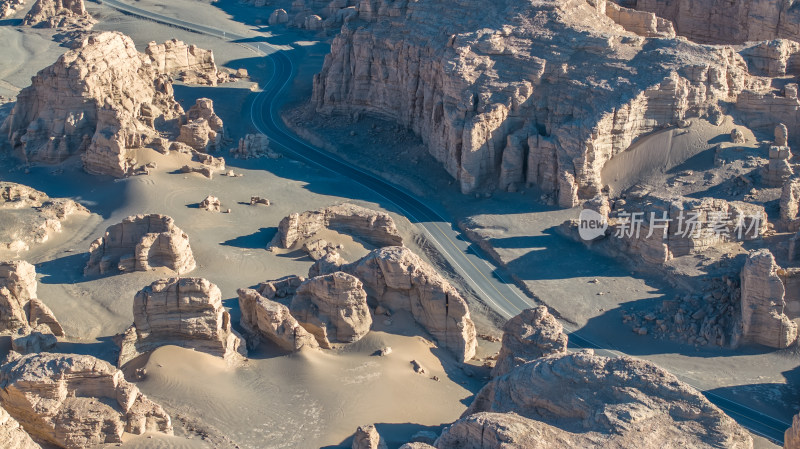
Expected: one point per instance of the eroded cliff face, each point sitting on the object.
(99, 100)
(726, 21)
(515, 92)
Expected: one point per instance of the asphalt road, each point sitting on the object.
(467, 259)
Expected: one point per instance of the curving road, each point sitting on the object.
(471, 264)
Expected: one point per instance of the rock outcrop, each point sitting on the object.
(59, 14)
(100, 100)
(76, 401)
(203, 130)
(139, 243)
(532, 334)
(367, 437)
(185, 312)
(657, 228)
(397, 279)
(10, 7)
(376, 228)
(734, 22)
(585, 400)
(790, 205)
(19, 306)
(253, 146)
(263, 318)
(333, 308)
(31, 216)
(764, 306)
(529, 93)
(188, 63)
(12, 435)
(791, 438)
(211, 204)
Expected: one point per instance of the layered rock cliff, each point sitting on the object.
(546, 93)
(139, 243)
(99, 100)
(76, 401)
(59, 14)
(397, 279)
(764, 306)
(585, 400)
(185, 312)
(19, 306)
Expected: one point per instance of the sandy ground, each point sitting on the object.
(313, 400)
(309, 400)
(586, 289)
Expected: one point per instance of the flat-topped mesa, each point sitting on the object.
(604, 402)
(203, 128)
(185, 312)
(188, 63)
(532, 334)
(263, 318)
(397, 279)
(35, 218)
(770, 301)
(10, 7)
(59, 14)
(12, 435)
(333, 308)
(19, 306)
(100, 100)
(515, 93)
(735, 22)
(375, 227)
(139, 243)
(76, 401)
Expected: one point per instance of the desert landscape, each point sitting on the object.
(378, 224)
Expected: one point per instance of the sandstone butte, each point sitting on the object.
(377, 228)
(19, 306)
(76, 401)
(185, 312)
(103, 99)
(545, 93)
(139, 243)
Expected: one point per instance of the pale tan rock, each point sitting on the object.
(692, 225)
(12, 435)
(139, 243)
(398, 279)
(252, 146)
(59, 14)
(534, 81)
(278, 16)
(31, 340)
(779, 170)
(204, 108)
(532, 334)
(734, 22)
(100, 100)
(791, 438)
(333, 308)
(187, 63)
(328, 263)
(596, 401)
(263, 318)
(737, 136)
(10, 7)
(185, 312)
(19, 306)
(317, 249)
(76, 401)
(790, 205)
(367, 437)
(35, 217)
(377, 228)
(764, 318)
(211, 204)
